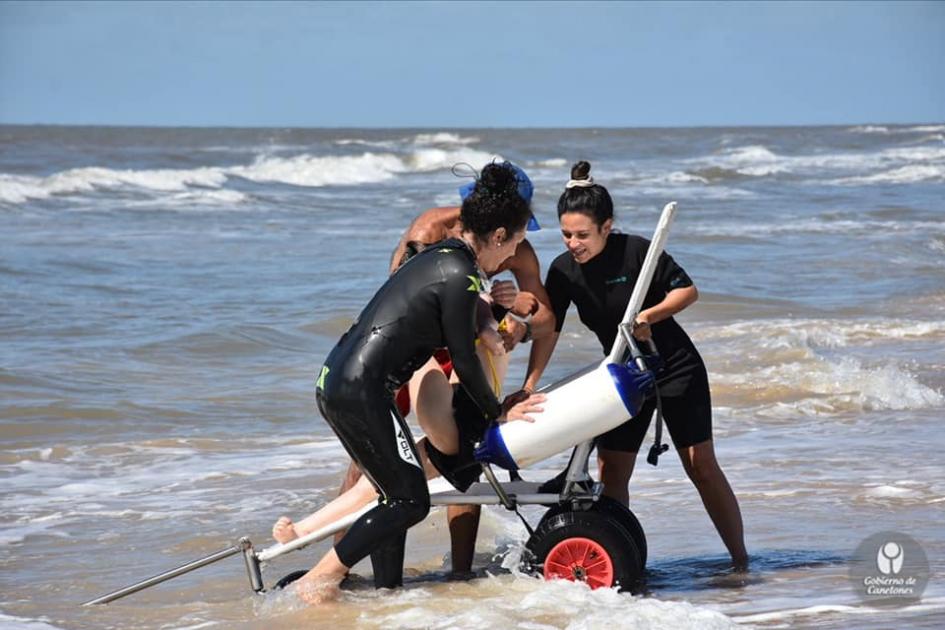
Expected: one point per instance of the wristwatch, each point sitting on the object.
(528, 333)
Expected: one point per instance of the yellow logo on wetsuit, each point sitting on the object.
(320, 383)
(476, 286)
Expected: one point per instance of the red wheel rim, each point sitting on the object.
(580, 559)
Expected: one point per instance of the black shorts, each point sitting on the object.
(461, 469)
(688, 418)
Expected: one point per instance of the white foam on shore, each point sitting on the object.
(510, 601)
(8, 622)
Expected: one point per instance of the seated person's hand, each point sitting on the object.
(512, 331)
(504, 293)
(517, 406)
(492, 340)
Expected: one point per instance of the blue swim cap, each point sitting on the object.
(525, 191)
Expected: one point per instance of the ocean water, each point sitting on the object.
(167, 295)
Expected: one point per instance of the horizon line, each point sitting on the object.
(471, 128)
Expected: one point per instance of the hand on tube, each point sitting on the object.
(517, 406)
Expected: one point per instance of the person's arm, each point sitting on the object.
(430, 227)
(459, 299)
(542, 348)
(538, 358)
(675, 301)
(531, 300)
(679, 293)
(527, 274)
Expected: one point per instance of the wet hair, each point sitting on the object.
(495, 202)
(592, 201)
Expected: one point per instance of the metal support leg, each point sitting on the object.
(252, 565)
(577, 468)
(173, 573)
(508, 503)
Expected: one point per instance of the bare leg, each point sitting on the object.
(615, 468)
(352, 477)
(351, 501)
(717, 497)
(432, 397)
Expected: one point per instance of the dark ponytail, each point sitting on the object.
(591, 200)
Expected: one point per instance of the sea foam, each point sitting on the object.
(785, 365)
(204, 183)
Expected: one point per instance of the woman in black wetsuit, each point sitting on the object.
(429, 303)
(597, 274)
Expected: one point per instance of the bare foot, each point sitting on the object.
(284, 530)
(315, 590)
(740, 565)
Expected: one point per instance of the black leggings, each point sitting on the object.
(376, 436)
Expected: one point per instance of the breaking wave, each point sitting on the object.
(203, 184)
(894, 165)
(793, 365)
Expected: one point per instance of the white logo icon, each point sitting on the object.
(889, 558)
(403, 444)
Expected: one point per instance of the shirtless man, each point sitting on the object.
(431, 387)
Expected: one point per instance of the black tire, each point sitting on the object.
(616, 510)
(599, 528)
(628, 519)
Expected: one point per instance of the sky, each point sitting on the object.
(473, 64)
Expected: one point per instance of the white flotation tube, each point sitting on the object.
(586, 404)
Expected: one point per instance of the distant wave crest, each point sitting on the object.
(204, 184)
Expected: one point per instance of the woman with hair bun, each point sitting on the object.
(597, 274)
(429, 303)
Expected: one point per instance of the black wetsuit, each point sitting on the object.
(601, 289)
(429, 303)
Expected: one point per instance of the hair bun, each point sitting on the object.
(496, 179)
(581, 170)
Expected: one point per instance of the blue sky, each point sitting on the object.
(471, 64)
